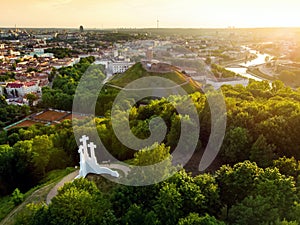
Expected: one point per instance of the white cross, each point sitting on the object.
(92, 147)
(84, 140)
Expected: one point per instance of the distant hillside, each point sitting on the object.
(160, 70)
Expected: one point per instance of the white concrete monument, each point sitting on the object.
(88, 163)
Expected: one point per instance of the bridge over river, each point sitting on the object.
(242, 68)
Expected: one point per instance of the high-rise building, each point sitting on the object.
(81, 28)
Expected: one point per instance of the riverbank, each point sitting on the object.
(238, 61)
(254, 71)
(251, 69)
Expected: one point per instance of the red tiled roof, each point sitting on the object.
(30, 83)
(21, 84)
(15, 85)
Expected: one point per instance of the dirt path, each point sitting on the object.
(53, 191)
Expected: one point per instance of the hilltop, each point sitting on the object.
(163, 70)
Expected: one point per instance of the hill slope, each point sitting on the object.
(159, 70)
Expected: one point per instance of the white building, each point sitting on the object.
(20, 89)
(44, 36)
(103, 62)
(119, 66)
(38, 51)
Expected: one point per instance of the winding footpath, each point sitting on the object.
(54, 191)
(36, 196)
(150, 88)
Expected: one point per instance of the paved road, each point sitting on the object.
(125, 169)
(53, 192)
(36, 196)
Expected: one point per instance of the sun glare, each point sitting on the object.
(142, 13)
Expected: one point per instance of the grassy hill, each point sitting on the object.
(138, 71)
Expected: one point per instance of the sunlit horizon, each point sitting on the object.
(102, 14)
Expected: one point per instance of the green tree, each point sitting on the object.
(136, 216)
(24, 169)
(262, 153)
(277, 85)
(253, 210)
(270, 200)
(287, 166)
(168, 205)
(195, 219)
(124, 197)
(236, 183)
(235, 147)
(209, 188)
(284, 222)
(13, 138)
(193, 199)
(3, 137)
(41, 146)
(31, 97)
(280, 190)
(7, 182)
(158, 156)
(17, 197)
(79, 202)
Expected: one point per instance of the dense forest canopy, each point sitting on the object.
(254, 179)
(262, 128)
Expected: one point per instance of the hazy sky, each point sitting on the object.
(144, 13)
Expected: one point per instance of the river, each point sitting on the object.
(243, 71)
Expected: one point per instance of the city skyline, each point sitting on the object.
(144, 14)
